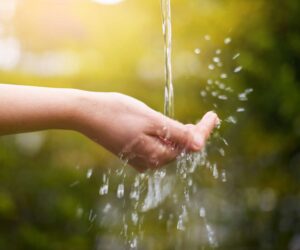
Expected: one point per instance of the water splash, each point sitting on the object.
(121, 191)
(171, 195)
(103, 190)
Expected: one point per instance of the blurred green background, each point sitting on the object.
(45, 197)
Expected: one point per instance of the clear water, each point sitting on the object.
(167, 32)
(153, 192)
(171, 196)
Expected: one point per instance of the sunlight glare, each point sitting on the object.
(108, 1)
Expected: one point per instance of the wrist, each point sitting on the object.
(64, 108)
(87, 107)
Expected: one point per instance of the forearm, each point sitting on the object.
(26, 108)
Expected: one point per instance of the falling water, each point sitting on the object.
(167, 32)
(142, 195)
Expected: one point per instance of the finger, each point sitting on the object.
(203, 130)
(160, 153)
(167, 154)
(175, 133)
(153, 155)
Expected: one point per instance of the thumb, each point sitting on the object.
(175, 133)
(203, 130)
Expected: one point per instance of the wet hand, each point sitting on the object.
(128, 127)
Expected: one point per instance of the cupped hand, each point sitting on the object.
(128, 127)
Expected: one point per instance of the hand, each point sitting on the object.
(120, 123)
(127, 127)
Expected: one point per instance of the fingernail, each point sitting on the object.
(198, 141)
(212, 114)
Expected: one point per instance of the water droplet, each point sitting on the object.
(197, 51)
(238, 69)
(137, 181)
(231, 119)
(161, 214)
(203, 93)
(92, 216)
(218, 51)
(202, 212)
(211, 236)
(161, 173)
(223, 76)
(133, 243)
(225, 142)
(180, 224)
(135, 195)
(103, 190)
(106, 208)
(134, 218)
(89, 173)
(207, 37)
(208, 165)
(236, 56)
(228, 89)
(75, 183)
(240, 110)
(215, 172)
(124, 159)
(223, 97)
(211, 67)
(222, 86)
(222, 152)
(216, 59)
(120, 171)
(227, 40)
(248, 91)
(243, 97)
(214, 93)
(223, 176)
(218, 125)
(120, 191)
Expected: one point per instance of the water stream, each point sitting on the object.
(167, 32)
(173, 195)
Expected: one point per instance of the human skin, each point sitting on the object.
(121, 124)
